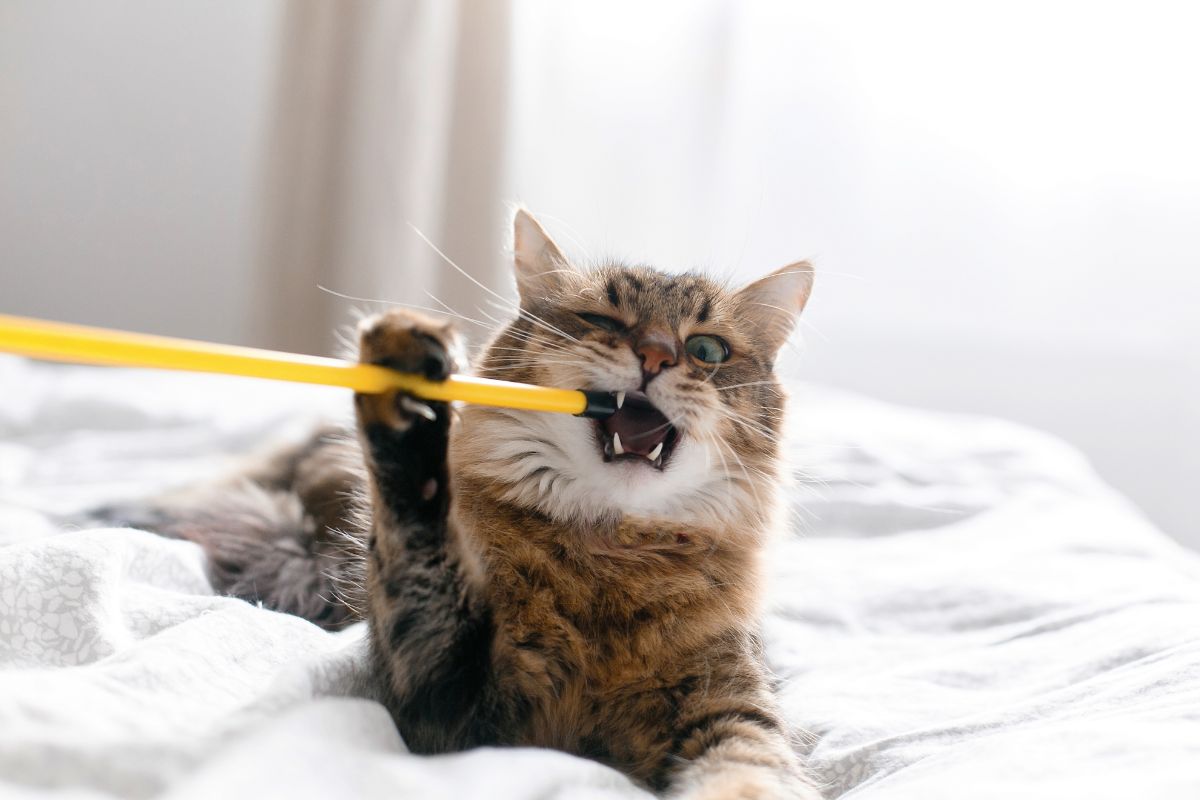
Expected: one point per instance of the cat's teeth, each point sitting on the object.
(620, 399)
(656, 452)
(617, 444)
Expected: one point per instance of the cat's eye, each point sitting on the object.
(709, 349)
(601, 321)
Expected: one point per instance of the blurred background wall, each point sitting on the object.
(1003, 201)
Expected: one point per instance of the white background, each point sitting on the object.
(1003, 202)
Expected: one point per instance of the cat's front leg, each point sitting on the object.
(430, 632)
(730, 744)
(744, 767)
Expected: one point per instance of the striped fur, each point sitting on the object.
(518, 589)
(506, 610)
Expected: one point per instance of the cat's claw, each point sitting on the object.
(416, 407)
(409, 342)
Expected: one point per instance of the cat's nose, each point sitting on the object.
(657, 350)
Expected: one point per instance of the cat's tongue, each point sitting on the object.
(640, 426)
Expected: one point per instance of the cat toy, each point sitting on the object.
(57, 341)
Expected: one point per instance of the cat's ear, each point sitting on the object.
(771, 305)
(537, 261)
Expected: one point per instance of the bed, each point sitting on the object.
(961, 609)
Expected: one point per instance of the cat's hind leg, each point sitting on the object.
(282, 531)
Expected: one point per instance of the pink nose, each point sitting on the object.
(657, 350)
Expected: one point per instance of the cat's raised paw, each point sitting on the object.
(409, 342)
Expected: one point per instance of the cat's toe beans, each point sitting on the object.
(419, 354)
(408, 342)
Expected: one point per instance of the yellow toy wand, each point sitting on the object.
(58, 341)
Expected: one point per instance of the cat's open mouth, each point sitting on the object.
(637, 432)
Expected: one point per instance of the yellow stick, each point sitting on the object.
(58, 341)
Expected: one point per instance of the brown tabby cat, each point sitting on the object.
(547, 580)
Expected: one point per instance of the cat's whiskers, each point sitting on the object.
(507, 362)
(448, 309)
(804, 322)
(444, 311)
(746, 470)
(534, 318)
(731, 502)
(534, 350)
(536, 338)
(505, 302)
(711, 437)
(811, 483)
(712, 374)
(496, 321)
(760, 429)
(757, 427)
(502, 348)
(745, 385)
(515, 354)
(751, 425)
(753, 476)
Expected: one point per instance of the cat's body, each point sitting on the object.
(532, 579)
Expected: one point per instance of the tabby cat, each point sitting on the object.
(541, 579)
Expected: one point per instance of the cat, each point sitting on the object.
(539, 579)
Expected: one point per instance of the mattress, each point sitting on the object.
(960, 609)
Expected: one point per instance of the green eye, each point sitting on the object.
(709, 349)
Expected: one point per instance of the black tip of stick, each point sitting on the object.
(600, 405)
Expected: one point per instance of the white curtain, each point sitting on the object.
(389, 127)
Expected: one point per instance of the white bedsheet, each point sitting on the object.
(963, 611)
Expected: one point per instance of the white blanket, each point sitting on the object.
(962, 611)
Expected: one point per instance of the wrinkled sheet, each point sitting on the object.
(961, 610)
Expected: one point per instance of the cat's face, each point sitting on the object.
(696, 437)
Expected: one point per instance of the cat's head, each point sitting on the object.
(696, 438)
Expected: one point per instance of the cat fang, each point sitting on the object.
(638, 432)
